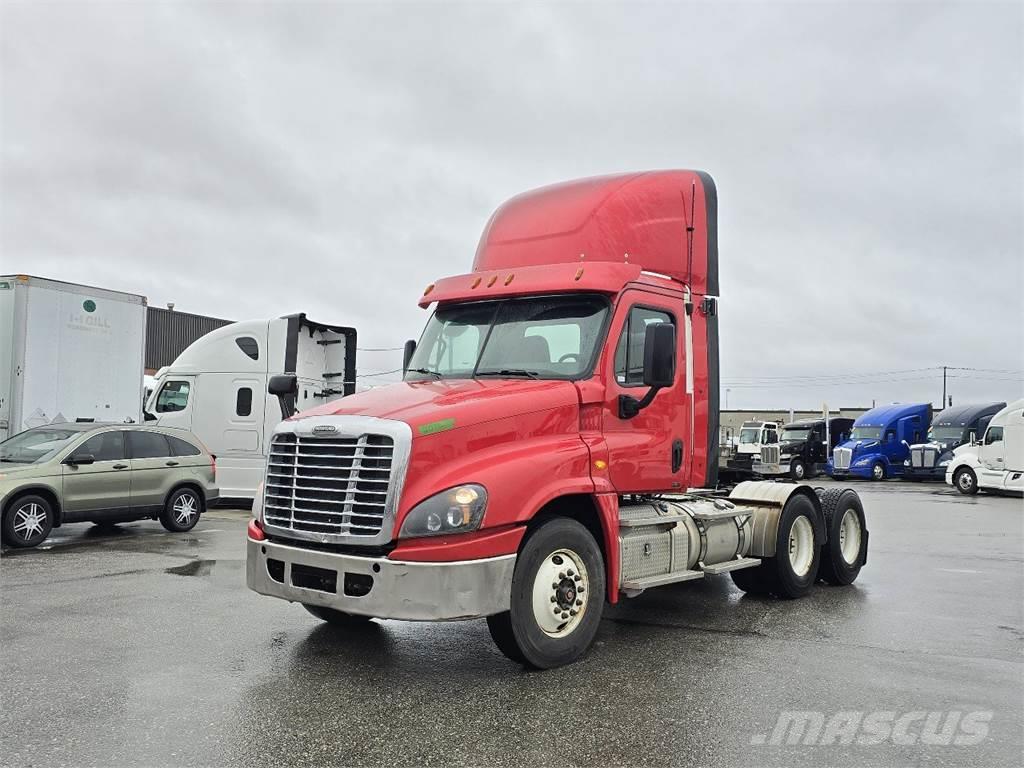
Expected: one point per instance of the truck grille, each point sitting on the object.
(841, 458)
(769, 454)
(328, 486)
(924, 457)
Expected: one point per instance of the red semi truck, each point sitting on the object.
(553, 444)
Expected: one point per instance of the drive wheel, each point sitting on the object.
(28, 521)
(843, 555)
(878, 471)
(798, 470)
(558, 590)
(966, 481)
(335, 617)
(791, 573)
(181, 512)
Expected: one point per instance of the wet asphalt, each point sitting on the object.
(141, 647)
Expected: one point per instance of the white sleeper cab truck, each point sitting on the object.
(997, 462)
(217, 388)
(52, 335)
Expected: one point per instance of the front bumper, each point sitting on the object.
(924, 473)
(412, 591)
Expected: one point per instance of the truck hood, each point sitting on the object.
(859, 446)
(435, 406)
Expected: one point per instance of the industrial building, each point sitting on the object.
(168, 332)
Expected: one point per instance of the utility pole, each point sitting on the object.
(942, 402)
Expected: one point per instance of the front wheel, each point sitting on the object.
(558, 591)
(966, 481)
(878, 471)
(181, 512)
(28, 521)
(798, 470)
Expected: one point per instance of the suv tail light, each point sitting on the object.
(213, 466)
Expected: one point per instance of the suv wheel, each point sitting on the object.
(28, 521)
(181, 512)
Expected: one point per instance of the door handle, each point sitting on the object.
(677, 455)
(120, 466)
(171, 463)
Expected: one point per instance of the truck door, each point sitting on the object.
(174, 402)
(991, 452)
(648, 452)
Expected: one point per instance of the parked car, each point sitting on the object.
(101, 473)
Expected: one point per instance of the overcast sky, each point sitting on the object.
(250, 160)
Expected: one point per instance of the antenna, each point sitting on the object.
(689, 232)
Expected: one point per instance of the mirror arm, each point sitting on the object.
(629, 406)
(287, 405)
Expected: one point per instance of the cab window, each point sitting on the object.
(148, 445)
(629, 352)
(108, 446)
(173, 397)
(994, 435)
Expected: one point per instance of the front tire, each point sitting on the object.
(966, 481)
(878, 471)
(28, 521)
(558, 591)
(798, 470)
(843, 555)
(182, 510)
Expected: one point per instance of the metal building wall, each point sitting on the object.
(168, 332)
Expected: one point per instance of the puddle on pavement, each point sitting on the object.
(193, 568)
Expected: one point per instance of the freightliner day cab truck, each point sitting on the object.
(536, 460)
(954, 426)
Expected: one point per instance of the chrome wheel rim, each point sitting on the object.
(965, 481)
(801, 546)
(878, 471)
(798, 470)
(29, 521)
(185, 508)
(849, 537)
(561, 590)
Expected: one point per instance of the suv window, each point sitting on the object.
(629, 352)
(173, 397)
(994, 435)
(108, 446)
(147, 445)
(181, 447)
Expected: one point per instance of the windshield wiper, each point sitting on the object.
(427, 371)
(510, 372)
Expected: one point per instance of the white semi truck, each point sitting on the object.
(217, 388)
(997, 462)
(68, 353)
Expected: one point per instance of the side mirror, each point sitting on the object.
(973, 437)
(659, 368)
(410, 350)
(286, 387)
(76, 459)
(660, 355)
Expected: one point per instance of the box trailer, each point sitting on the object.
(68, 353)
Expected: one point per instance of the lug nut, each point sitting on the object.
(554, 585)
(565, 615)
(581, 589)
(554, 599)
(573, 612)
(561, 574)
(557, 610)
(569, 572)
(577, 577)
(579, 602)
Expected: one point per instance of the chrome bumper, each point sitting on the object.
(411, 591)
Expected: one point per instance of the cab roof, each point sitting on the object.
(884, 415)
(962, 415)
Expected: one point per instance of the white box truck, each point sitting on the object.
(68, 352)
(217, 388)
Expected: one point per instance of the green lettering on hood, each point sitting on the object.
(436, 426)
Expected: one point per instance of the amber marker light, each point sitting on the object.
(475, 283)
(601, 464)
(429, 289)
(510, 278)
(492, 281)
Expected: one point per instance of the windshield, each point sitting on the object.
(945, 434)
(749, 436)
(793, 435)
(553, 337)
(36, 445)
(866, 433)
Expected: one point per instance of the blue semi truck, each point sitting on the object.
(880, 441)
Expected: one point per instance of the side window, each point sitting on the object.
(772, 436)
(173, 397)
(890, 435)
(108, 446)
(181, 447)
(629, 352)
(147, 445)
(243, 401)
(248, 345)
(994, 435)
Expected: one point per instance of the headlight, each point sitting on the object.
(906, 462)
(784, 456)
(457, 510)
